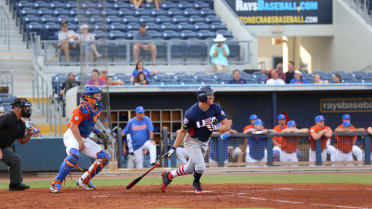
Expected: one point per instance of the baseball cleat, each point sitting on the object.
(197, 188)
(166, 181)
(88, 186)
(56, 186)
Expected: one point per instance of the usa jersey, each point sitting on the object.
(85, 117)
(195, 120)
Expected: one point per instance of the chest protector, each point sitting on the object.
(90, 118)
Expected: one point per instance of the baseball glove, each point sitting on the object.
(104, 137)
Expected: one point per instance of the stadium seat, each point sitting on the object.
(204, 34)
(185, 5)
(28, 11)
(185, 26)
(187, 34)
(23, 4)
(34, 27)
(130, 34)
(174, 12)
(60, 11)
(190, 12)
(91, 12)
(155, 34)
(98, 34)
(44, 11)
(201, 4)
(178, 50)
(49, 31)
(170, 34)
(359, 74)
(64, 18)
(100, 26)
(130, 19)
(87, 5)
(201, 26)
(47, 18)
(120, 5)
(133, 26)
(208, 81)
(218, 26)
(125, 12)
(234, 51)
(146, 19)
(206, 11)
(118, 26)
(97, 19)
(70, 5)
(179, 19)
(148, 5)
(169, 26)
(196, 50)
(163, 19)
(189, 81)
(142, 12)
(158, 12)
(212, 18)
(168, 82)
(168, 5)
(196, 18)
(110, 12)
(73, 12)
(30, 18)
(153, 26)
(41, 4)
(113, 19)
(119, 51)
(115, 34)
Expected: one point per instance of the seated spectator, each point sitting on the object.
(257, 152)
(137, 3)
(143, 35)
(318, 80)
(236, 78)
(103, 75)
(65, 37)
(140, 68)
(319, 132)
(94, 80)
(298, 78)
(275, 80)
(289, 75)
(141, 79)
(289, 144)
(112, 82)
(68, 84)
(2, 110)
(337, 78)
(88, 41)
(278, 69)
(219, 53)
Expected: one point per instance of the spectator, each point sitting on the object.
(289, 144)
(275, 80)
(2, 110)
(236, 78)
(337, 78)
(279, 69)
(141, 129)
(257, 152)
(219, 53)
(137, 3)
(318, 80)
(103, 75)
(68, 84)
(141, 79)
(319, 132)
(65, 38)
(289, 75)
(357, 152)
(88, 41)
(298, 78)
(143, 35)
(140, 68)
(94, 80)
(112, 82)
(277, 140)
(213, 145)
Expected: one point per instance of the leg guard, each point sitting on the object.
(102, 160)
(68, 164)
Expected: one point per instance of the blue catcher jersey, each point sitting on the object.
(195, 120)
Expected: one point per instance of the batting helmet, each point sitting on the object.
(23, 102)
(203, 91)
(88, 94)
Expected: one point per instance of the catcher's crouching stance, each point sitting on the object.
(199, 123)
(76, 139)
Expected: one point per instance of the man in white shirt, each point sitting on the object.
(275, 80)
(66, 37)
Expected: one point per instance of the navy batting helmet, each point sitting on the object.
(203, 91)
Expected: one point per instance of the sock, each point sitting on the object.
(178, 172)
(197, 177)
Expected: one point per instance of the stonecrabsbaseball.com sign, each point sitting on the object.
(274, 12)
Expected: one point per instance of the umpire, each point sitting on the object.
(13, 127)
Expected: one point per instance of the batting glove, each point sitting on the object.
(211, 127)
(169, 153)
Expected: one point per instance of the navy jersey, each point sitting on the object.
(195, 120)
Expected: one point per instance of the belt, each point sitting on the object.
(345, 152)
(131, 153)
(288, 152)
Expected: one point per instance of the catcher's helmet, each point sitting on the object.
(203, 91)
(88, 94)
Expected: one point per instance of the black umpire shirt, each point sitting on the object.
(10, 129)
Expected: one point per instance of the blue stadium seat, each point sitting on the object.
(97, 19)
(101, 5)
(146, 19)
(185, 5)
(196, 50)
(130, 34)
(23, 4)
(178, 50)
(100, 26)
(185, 26)
(64, 18)
(90, 12)
(206, 11)
(212, 18)
(218, 26)
(133, 26)
(189, 81)
(70, 5)
(73, 27)
(205, 34)
(115, 34)
(153, 26)
(155, 35)
(170, 34)
(60, 11)
(179, 19)
(109, 12)
(120, 5)
(148, 5)
(125, 12)
(49, 31)
(41, 4)
(201, 26)
(28, 11)
(201, 4)
(163, 19)
(44, 11)
(168, 82)
(130, 19)
(87, 4)
(34, 27)
(73, 12)
(30, 18)
(113, 19)
(196, 18)
(169, 26)
(118, 26)
(359, 74)
(190, 12)
(168, 5)
(142, 12)
(119, 51)
(98, 34)
(208, 81)
(174, 12)
(187, 34)
(48, 18)
(158, 12)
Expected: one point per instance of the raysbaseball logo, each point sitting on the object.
(204, 122)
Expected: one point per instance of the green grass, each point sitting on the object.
(229, 179)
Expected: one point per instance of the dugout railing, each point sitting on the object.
(224, 153)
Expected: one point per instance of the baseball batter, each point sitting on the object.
(319, 132)
(76, 140)
(199, 122)
(289, 144)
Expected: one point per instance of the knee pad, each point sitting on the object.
(105, 157)
(73, 157)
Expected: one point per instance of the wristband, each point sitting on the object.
(173, 148)
(96, 131)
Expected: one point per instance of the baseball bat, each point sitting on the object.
(135, 181)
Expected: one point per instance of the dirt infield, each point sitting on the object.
(181, 196)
